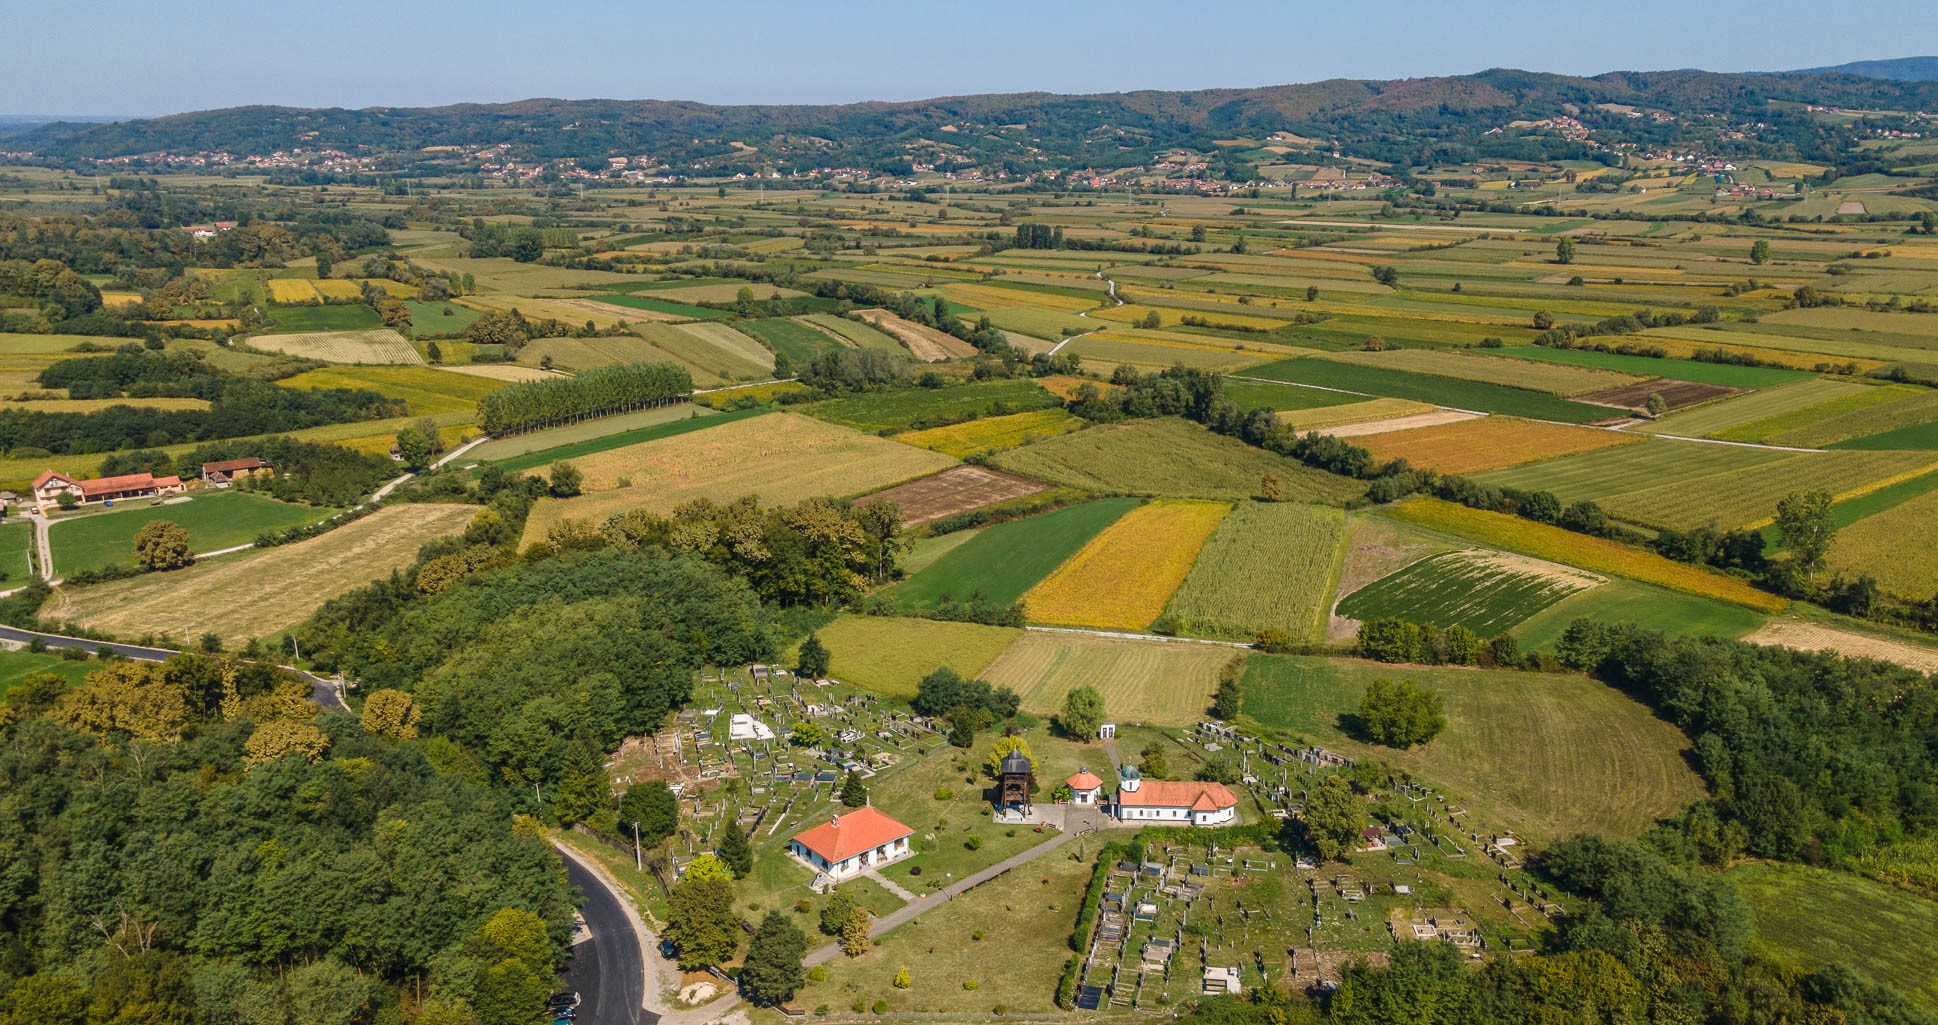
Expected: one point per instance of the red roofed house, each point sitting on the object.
(1194, 802)
(846, 845)
(1085, 787)
(49, 486)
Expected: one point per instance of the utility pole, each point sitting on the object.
(639, 863)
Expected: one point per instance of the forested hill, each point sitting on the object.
(1392, 120)
(1903, 69)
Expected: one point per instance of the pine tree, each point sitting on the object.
(584, 790)
(772, 972)
(813, 658)
(854, 792)
(736, 852)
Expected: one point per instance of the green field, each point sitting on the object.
(890, 655)
(1749, 496)
(1604, 473)
(605, 443)
(1726, 374)
(341, 317)
(1269, 565)
(1778, 400)
(1170, 458)
(1441, 391)
(430, 320)
(1550, 754)
(899, 410)
(1843, 417)
(798, 342)
(1645, 605)
(1248, 395)
(16, 666)
(1486, 592)
(1812, 916)
(1917, 436)
(1003, 561)
(97, 540)
(498, 449)
(865, 336)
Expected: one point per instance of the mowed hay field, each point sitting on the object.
(259, 595)
(377, 345)
(1549, 754)
(1809, 917)
(993, 433)
(958, 489)
(1488, 443)
(1269, 565)
(890, 655)
(1170, 458)
(425, 389)
(1122, 578)
(1162, 683)
(781, 458)
(1352, 413)
(1486, 592)
(1554, 378)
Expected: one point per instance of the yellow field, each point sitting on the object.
(1065, 386)
(780, 457)
(1171, 317)
(992, 433)
(1590, 553)
(120, 298)
(1684, 348)
(96, 405)
(1121, 579)
(378, 345)
(1153, 682)
(988, 297)
(338, 288)
(1488, 443)
(262, 593)
(1352, 413)
(293, 290)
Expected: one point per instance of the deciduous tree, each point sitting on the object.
(162, 544)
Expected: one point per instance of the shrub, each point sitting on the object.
(968, 984)
(973, 842)
(818, 973)
(881, 1005)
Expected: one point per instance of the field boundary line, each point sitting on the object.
(1124, 635)
(1739, 444)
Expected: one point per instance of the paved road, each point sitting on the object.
(322, 691)
(944, 895)
(608, 970)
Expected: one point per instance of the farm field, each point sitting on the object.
(311, 319)
(1561, 379)
(263, 593)
(780, 458)
(16, 548)
(377, 345)
(1804, 634)
(1170, 458)
(1248, 394)
(1601, 475)
(437, 319)
(214, 520)
(1269, 565)
(1897, 547)
(1748, 497)
(1122, 578)
(716, 348)
(1811, 426)
(425, 389)
(605, 427)
(96, 405)
(899, 411)
(1353, 411)
(542, 459)
(1488, 443)
(1442, 391)
(1486, 592)
(1728, 375)
(993, 433)
(856, 333)
(1810, 917)
(928, 344)
(1004, 561)
(579, 354)
(793, 339)
(1777, 400)
(890, 655)
(1672, 613)
(1526, 746)
(1151, 682)
(958, 489)
(1596, 555)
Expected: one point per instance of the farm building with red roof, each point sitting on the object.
(847, 845)
(50, 486)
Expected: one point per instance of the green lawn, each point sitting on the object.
(1442, 391)
(1550, 754)
(546, 457)
(1008, 559)
(1813, 916)
(16, 544)
(97, 540)
(1646, 606)
(343, 317)
(798, 342)
(1726, 374)
(16, 666)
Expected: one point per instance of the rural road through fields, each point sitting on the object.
(1054, 349)
(322, 691)
(609, 969)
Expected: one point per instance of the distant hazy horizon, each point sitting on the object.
(121, 58)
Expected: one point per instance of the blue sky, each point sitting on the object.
(160, 56)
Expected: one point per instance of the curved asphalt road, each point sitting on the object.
(323, 692)
(608, 970)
